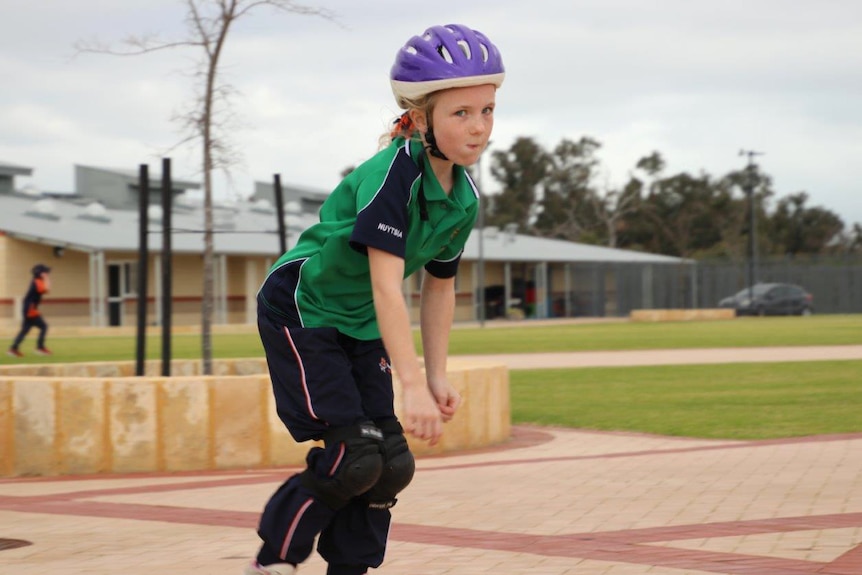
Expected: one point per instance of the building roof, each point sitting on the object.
(244, 228)
(7, 169)
(130, 177)
(504, 246)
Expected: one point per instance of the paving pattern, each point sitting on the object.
(550, 502)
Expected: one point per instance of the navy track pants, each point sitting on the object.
(323, 380)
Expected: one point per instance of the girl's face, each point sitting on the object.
(462, 121)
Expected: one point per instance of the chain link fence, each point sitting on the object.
(614, 290)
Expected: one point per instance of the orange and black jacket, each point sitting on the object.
(34, 297)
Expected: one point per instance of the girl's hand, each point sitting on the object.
(421, 418)
(448, 399)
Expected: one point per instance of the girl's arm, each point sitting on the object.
(438, 311)
(420, 415)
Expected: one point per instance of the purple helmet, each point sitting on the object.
(450, 56)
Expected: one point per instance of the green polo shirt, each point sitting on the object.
(377, 205)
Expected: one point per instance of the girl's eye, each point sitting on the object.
(461, 113)
(488, 110)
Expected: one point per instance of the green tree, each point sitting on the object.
(679, 208)
(633, 229)
(521, 170)
(797, 229)
(652, 165)
(565, 210)
(612, 205)
(728, 214)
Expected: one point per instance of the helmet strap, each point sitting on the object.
(432, 144)
(423, 202)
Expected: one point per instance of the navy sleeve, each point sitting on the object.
(444, 269)
(382, 216)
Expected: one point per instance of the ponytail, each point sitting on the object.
(403, 127)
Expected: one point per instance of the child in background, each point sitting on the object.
(31, 316)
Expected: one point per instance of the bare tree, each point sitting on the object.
(208, 22)
(611, 205)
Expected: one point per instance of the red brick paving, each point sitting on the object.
(551, 502)
(632, 547)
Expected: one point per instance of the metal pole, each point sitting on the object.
(143, 256)
(167, 292)
(749, 194)
(750, 170)
(279, 211)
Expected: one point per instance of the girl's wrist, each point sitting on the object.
(411, 381)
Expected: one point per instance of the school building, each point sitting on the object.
(91, 239)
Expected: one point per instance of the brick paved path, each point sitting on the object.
(551, 502)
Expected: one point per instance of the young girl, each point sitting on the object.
(334, 323)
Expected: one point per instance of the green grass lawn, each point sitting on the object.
(744, 401)
(516, 337)
(734, 401)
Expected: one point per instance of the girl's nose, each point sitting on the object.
(478, 126)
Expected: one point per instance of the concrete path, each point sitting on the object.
(550, 502)
(671, 356)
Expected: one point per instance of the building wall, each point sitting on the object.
(465, 307)
(596, 289)
(68, 303)
(7, 302)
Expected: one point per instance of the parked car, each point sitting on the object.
(771, 299)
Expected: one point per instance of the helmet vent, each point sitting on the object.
(484, 52)
(465, 47)
(444, 52)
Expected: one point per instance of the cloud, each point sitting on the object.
(694, 80)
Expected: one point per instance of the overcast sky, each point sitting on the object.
(696, 80)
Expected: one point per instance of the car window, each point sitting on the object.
(759, 290)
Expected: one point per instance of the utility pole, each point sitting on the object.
(748, 186)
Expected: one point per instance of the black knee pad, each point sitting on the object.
(359, 468)
(398, 469)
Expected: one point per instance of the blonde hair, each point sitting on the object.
(403, 126)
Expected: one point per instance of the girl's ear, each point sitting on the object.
(419, 120)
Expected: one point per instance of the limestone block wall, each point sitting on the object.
(96, 418)
(681, 314)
